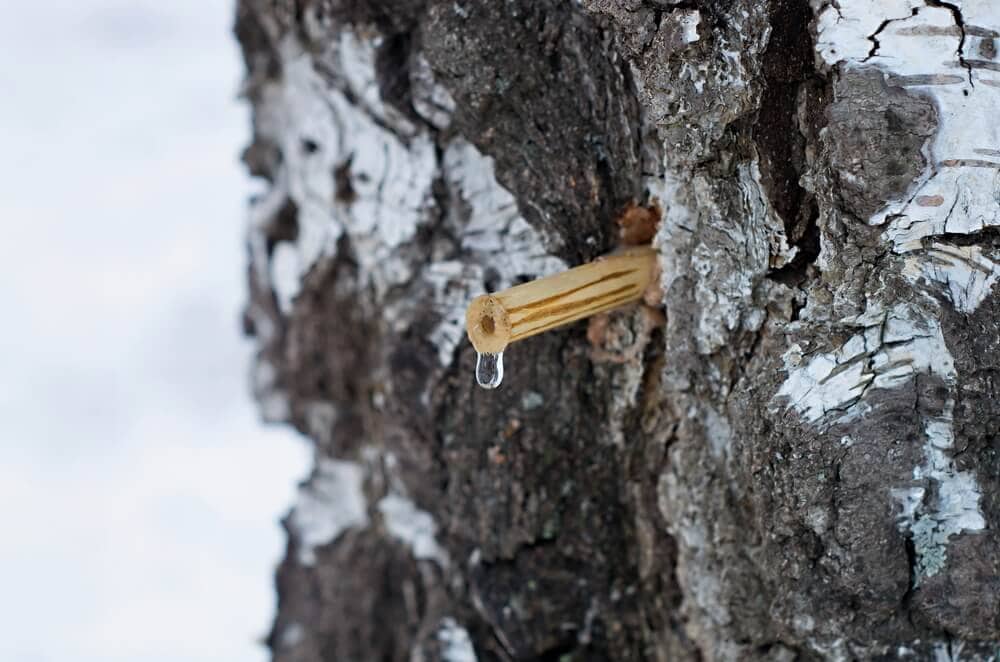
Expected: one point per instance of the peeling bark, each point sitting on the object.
(802, 463)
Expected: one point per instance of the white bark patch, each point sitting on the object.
(956, 508)
(689, 20)
(329, 503)
(893, 348)
(456, 645)
(967, 273)
(286, 276)
(829, 382)
(384, 187)
(414, 527)
(273, 400)
(960, 191)
(913, 344)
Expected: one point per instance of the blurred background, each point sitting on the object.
(140, 493)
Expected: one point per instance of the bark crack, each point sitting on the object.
(987, 235)
(873, 37)
(956, 14)
(781, 134)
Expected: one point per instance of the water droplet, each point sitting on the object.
(489, 369)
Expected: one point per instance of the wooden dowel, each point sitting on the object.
(493, 321)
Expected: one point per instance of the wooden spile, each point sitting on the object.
(493, 321)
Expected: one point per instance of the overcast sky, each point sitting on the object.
(141, 495)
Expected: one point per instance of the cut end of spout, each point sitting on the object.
(487, 325)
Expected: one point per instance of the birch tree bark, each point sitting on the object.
(801, 464)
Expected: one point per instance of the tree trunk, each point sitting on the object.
(801, 463)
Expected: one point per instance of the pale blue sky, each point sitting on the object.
(140, 493)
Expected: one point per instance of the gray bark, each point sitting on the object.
(802, 463)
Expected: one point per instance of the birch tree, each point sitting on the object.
(800, 463)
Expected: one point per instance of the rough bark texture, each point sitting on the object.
(801, 464)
